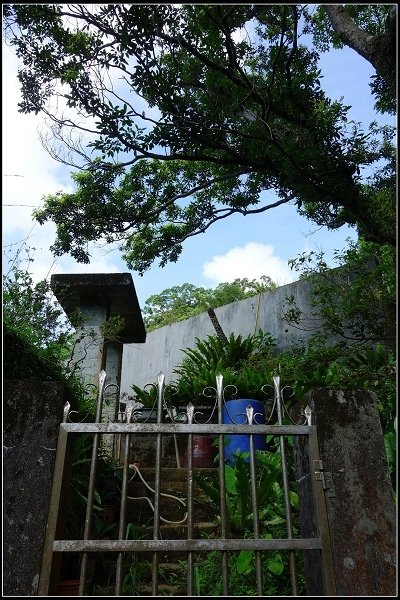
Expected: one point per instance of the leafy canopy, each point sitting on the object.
(193, 113)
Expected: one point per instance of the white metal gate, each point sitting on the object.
(166, 420)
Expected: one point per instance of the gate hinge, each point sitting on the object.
(325, 477)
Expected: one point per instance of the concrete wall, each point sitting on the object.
(162, 351)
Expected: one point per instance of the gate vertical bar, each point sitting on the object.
(222, 487)
(47, 558)
(92, 478)
(286, 489)
(124, 493)
(322, 519)
(190, 413)
(157, 485)
(256, 521)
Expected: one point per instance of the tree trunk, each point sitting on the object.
(379, 50)
(217, 325)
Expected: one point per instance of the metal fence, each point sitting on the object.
(165, 420)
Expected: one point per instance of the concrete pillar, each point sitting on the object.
(360, 505)
(96, 298)
(88, 354)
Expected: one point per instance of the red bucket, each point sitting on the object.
(69, 587)
(203, 452)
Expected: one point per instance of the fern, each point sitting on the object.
(212, 356)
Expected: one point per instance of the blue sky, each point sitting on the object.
(235, 247)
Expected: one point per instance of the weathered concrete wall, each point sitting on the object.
(113, 361)
(32, 414)
(141, 363)
(88, 350)
(361, 510)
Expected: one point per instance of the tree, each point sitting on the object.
(370, 30)
(228, 105)
(184, 301)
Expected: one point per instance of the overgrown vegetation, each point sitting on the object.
(355, 345)
(232, 359)
(239, 513)
(248, 363)
(106, 491)
(39, 339)
(356, 300)
(242, 574)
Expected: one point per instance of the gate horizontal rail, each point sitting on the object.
(185, 545)
(167, 428)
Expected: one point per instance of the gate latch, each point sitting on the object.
(325, 477)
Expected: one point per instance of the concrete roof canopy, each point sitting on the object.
(116, 291)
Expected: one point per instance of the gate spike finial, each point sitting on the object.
(67, 408)
(307, 414)
(219, 381)
(250, 414)
(277, 384)
(102, 377)
(190, 413)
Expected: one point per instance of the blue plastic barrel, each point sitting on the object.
(234, 412)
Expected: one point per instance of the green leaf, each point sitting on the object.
(275, 521)
(390, 446)
(294, 499)
(230, 479)
(275, 565)
(243, 561)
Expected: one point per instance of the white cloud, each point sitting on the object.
(45, 264)
(28, 171)
(97, 265)
(252, 261)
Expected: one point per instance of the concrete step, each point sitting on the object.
(137, 494)
(165, 590)
(170, 474)
(179, 532)
(179, 488)
(174, 483)
(170, 509)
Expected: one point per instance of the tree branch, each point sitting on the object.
(377, 50)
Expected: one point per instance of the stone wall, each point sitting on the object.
(360, 505)
(32, 412)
